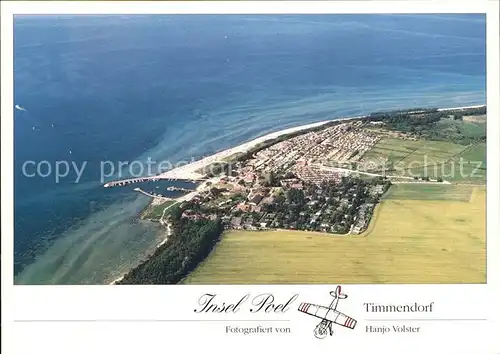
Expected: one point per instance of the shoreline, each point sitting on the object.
(182, 172)
(188, 171)
(463, 107)
(162, 224)
(168, 231)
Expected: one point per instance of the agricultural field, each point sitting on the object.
(407, 241)
(476, 119)
(476, 153)
(452, 162)
(403, 154)
(454, 150)
(469, 166)
(423, 191)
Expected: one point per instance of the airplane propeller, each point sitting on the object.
(338, 294)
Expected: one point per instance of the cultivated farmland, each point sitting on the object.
(468, 166)
(452, 162)
(408, 241)
(423, 191)
(403, 154)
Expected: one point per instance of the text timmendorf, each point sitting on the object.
(415, 307)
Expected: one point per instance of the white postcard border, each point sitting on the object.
(76, 319)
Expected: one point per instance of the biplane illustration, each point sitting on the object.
(329, 315)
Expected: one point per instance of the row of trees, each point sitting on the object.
(416, 111)
(404, 121)
(402, 111)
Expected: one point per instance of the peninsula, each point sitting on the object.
(325, 178)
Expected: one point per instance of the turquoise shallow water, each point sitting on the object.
(175, 88)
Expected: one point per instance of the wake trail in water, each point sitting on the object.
(19, 108)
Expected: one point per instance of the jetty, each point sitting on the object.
(125, 182)
(152, 195)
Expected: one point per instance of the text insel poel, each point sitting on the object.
(266, 303)
(263, 303)
(208, 303)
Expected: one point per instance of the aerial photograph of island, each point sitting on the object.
(250, 149)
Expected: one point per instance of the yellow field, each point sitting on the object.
(408, 241)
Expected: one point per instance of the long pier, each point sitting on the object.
(125, 182)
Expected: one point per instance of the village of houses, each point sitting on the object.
(289, 186)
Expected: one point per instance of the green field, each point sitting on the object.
(476, 153)
(454, 150)
(468, 166)
(412, 153)
(407, 241)
(415, 191)
(452, 162)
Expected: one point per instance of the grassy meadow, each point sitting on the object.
(408, 241)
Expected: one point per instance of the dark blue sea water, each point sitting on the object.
(125, 88)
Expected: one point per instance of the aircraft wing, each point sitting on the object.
(327, 313)
(345, 320)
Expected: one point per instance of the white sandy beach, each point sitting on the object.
(116, 280)
(464, 107)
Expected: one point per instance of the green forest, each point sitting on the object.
(189, 244)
